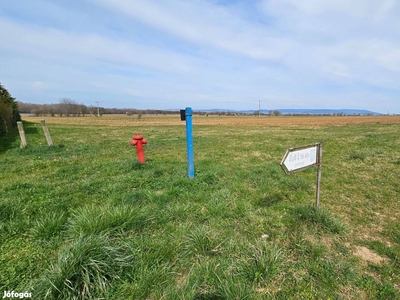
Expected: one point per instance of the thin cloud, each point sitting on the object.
(205, 24)
(55, 44)
(38, 85)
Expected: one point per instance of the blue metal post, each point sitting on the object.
(189, 141)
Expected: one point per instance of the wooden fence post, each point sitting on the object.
(47, 133)
(22, 134)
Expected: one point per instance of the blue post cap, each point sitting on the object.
(189, 111)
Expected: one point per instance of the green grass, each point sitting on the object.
(84, 220)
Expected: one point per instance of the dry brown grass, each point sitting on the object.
(123, 120)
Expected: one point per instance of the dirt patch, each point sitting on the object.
(369, 256)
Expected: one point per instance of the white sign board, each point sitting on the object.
(298, 159)
(301, 158)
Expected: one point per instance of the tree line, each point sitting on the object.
(65, 108)
(70, 108)
(9, 113)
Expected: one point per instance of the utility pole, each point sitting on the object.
(98, 112)
(259, 108)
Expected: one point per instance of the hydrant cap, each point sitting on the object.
(138, 136)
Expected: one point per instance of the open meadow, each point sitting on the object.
(84, 220)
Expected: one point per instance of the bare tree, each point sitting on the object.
(68, 106)
(83, 109)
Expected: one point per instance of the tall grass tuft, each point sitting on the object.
(320, 218)
(263, 262)
(199, 242)
(234, 288)
(13, 219)
(48, 227)
(94, 220)
(358, 155)
(83, 270)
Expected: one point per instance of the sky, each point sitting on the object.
(172, 54)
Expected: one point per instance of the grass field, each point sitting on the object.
(83, 220)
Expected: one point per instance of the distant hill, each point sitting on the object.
(328, 111)
(297, 111)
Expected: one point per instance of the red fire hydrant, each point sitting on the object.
(138, 141)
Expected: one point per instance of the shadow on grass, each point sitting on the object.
(271, 199)
(136, 165)
(30, 128)
(8, 141)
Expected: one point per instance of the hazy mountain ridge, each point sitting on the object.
(299, 111)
